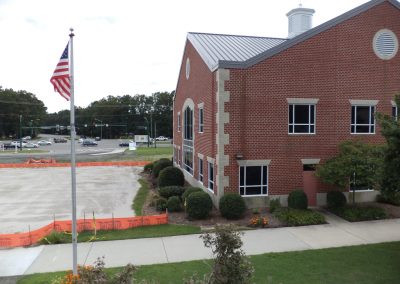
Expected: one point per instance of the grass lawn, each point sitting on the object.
(367, 264)
(134, 233)
(24, 151)
(151, 154)
(140, 197)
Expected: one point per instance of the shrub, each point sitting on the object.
(335, 199)
(389, 197)
(171, 176)
(198, 205)
(161, 204)
(55, 238)
(296, 217)
(174, 204)
(274, 204)
(148, 168)
(360, 213)
(190, 190)
(159, 165)
(169, 191)
(298, 199)
(232, 206)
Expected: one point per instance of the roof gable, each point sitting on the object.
(230, 51)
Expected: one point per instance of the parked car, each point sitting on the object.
(89, 143)
(60, 140)
(124, 144)
(18, 143)
(97, 138)
(44, 143)
(26, 138)
(9, 145)
(162, 138)
(30, 145)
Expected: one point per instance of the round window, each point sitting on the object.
(385, 44)
(187, 68)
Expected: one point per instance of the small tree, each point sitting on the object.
(231, 265)
(390, 178)
(357, 164)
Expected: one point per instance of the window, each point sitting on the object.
(210, 176)
(188, 140)
(253, 180)
(362, 119)
(394, 112)
(201, 120)
(301, 119)
(179, 121)
(201, 170)
(179, 157)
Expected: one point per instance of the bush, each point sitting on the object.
(274, 204)
(232, 206)
(198, 205)
(174, 204)
(171, 176)
(389, 197)
(169, 191)
(296, 217)
(55, 238)
(335, 199)
(298, 200)
(189, 191)
(159, 165)
(161, 204)
(360, 213)
(148, 168)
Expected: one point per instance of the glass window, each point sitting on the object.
(188, 140)
(201, 170)
(253, 180)
(201, 120)
(394, 112)
(363, 119)
(301, 119)
(211, 176)
(179, 122)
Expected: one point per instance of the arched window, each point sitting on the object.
(188, 140)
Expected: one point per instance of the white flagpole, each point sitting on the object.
(73, 170)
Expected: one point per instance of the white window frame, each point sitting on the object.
(261, 185)
(395, 112)
(309, 124)
(210, 180)
(188, 142)
(201, 170)
(201, 119)
(179, 122)
(370, 124)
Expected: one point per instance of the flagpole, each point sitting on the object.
(73, 170)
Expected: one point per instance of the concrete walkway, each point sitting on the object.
(336, 233)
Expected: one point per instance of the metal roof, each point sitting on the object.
(231, 51)
(214, 48)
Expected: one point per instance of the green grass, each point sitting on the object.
(140, 197)
(367, 264)
(135, 233)
(152, 154)
(24, 151)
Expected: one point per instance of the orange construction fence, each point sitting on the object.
(32, 237)
(79, 164)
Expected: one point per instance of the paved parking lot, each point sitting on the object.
(31, 197)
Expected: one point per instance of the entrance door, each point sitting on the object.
(310, 184)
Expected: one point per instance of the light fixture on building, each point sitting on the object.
(239, 156)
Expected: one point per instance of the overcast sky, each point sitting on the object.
(127, 46)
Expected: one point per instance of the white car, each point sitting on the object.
(161, 138)
(30, 145)
(18, 143)
(44, 143)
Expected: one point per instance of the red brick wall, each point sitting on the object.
(334, 66)
(201, 88)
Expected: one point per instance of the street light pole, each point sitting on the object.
(101, 128)
(20, 132)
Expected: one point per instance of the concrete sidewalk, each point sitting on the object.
(337, 233)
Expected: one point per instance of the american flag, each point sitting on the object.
(60, 78)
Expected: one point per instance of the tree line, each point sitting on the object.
(110, 117)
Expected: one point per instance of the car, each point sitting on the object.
(60, 140)
(9, 145)
(27, 138)
(18, 143)
(30, 145)
(44, 143)
(97, 139)
(89, 143)
(124, 144)
(162, 138)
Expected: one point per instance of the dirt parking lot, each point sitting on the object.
(32, 197)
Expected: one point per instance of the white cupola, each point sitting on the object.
(300, 20)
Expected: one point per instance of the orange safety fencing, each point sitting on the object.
(79, 164)
(32, 237)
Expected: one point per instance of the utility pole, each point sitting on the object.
(20, 132)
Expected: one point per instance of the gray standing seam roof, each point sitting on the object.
(232, 51)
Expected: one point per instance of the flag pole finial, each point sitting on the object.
(72, 32)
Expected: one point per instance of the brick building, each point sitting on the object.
(255, 115)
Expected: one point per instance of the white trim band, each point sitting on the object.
(253, 162)
(302, 101)
(364, 102)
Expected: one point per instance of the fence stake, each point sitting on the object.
(54, 221)
(30, 237)
(113, 221)
(84, 221)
